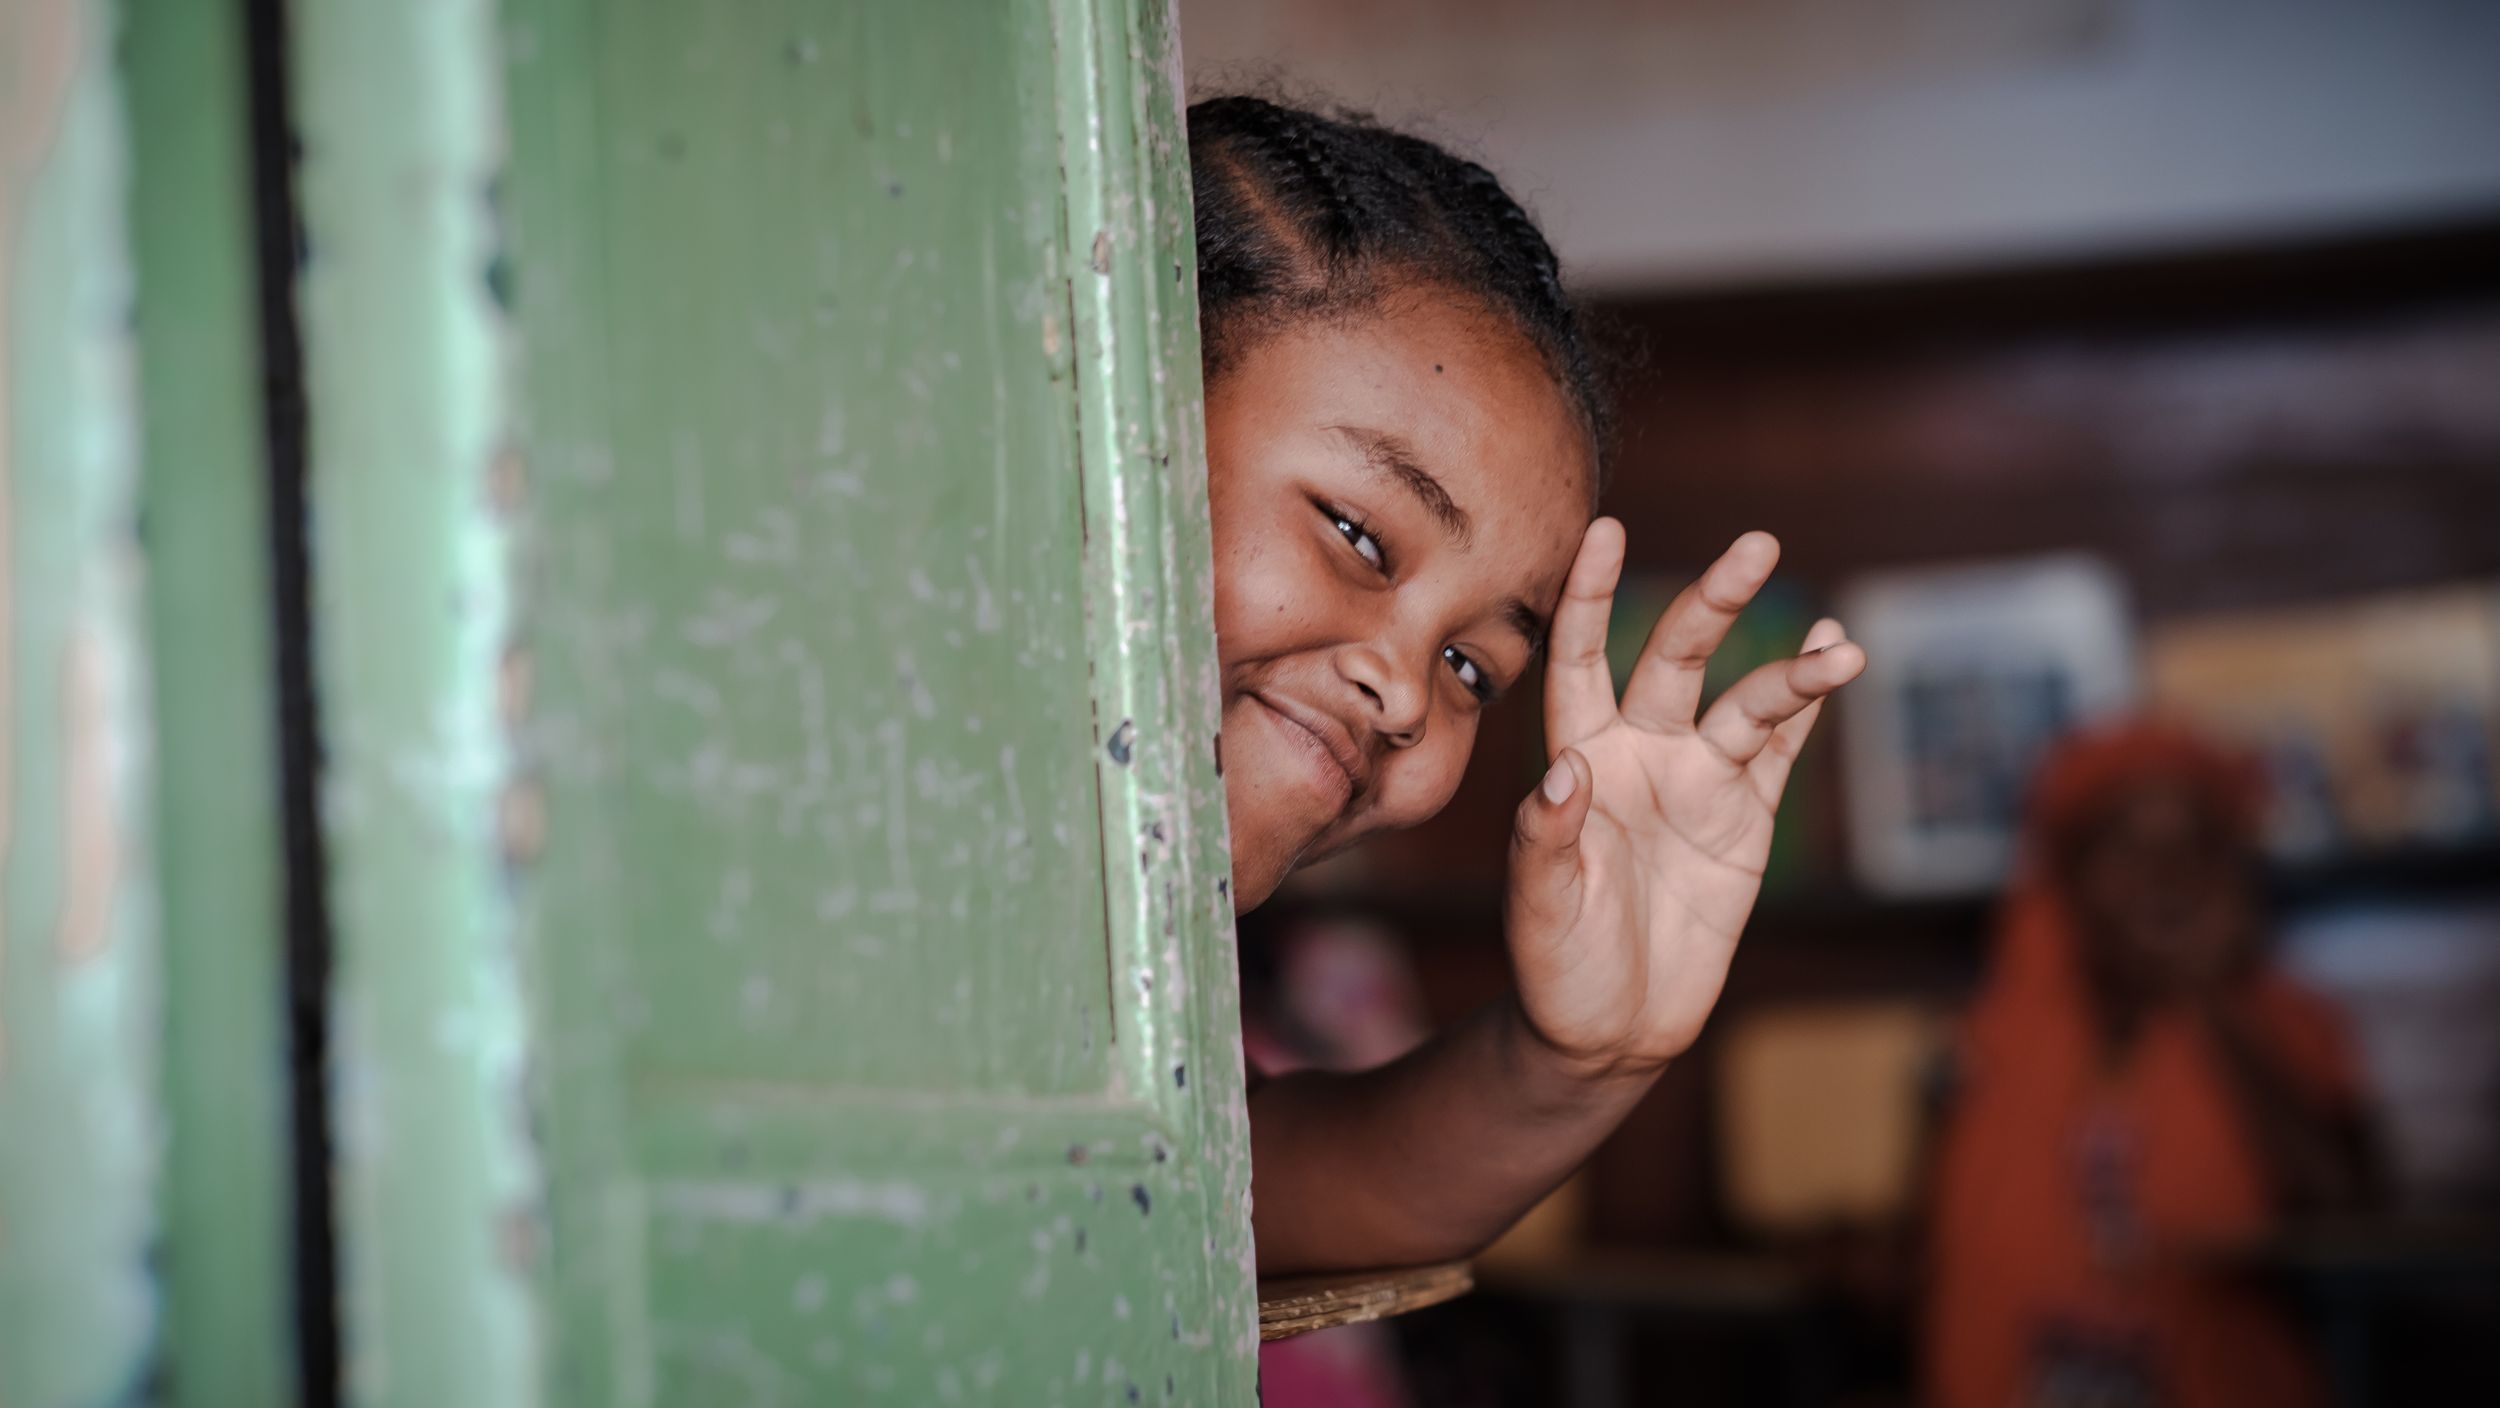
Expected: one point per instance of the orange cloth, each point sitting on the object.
(2077, 1204)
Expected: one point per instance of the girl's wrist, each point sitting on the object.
(1573, 1077)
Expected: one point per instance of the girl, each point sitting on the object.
(1404, 436)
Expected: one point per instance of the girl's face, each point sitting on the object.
(1396, 497)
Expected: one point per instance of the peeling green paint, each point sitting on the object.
(79, 1133)
(399, 108)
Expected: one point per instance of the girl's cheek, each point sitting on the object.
(1267, 594)
(1427, 775)
(1239, 567)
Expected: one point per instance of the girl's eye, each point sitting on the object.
(1468, 672)
(1366, 546)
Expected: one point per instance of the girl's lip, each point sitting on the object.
(1325, 739)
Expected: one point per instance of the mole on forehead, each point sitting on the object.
(1395, 459)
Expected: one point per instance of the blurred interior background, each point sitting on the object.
(2091, 358)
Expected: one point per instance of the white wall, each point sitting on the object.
(1681, 142)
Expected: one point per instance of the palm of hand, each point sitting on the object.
(1627, 897)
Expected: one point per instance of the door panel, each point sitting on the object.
(766, 599)
(871, 678)
(833, 616)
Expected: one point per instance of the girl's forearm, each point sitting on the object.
(1427, 1158)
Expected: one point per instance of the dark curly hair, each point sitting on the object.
(1301, 214)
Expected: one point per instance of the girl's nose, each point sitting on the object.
(1398, 696)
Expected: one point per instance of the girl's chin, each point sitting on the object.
(1260, 869)
(1250, 891)
(1265, 851)
(1260, 863)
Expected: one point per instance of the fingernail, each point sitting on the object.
(1559, 780)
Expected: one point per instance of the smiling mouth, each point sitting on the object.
(1334, 754)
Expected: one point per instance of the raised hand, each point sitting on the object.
(1637, 860)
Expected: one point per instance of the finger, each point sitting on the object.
(1579, 689)
(1545, 847)
(1770, 770)
(1665, 687)
(1742, 723)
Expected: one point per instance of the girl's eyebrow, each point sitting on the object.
(1394, 458)
(1523, 618)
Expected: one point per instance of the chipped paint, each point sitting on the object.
(42, 56)
(1151, 642)
(431, 820)
(79, 1130)
(91, 841)
(900, 1203)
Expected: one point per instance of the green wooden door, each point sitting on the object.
(763, 614)
(143, 1185)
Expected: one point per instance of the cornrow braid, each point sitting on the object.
(1305, 178)
(1301, 214)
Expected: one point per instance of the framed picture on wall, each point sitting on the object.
(2377, 719)
(1972, 672)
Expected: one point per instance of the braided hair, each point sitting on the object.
(1304, 215)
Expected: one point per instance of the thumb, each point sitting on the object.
(1545, 844)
